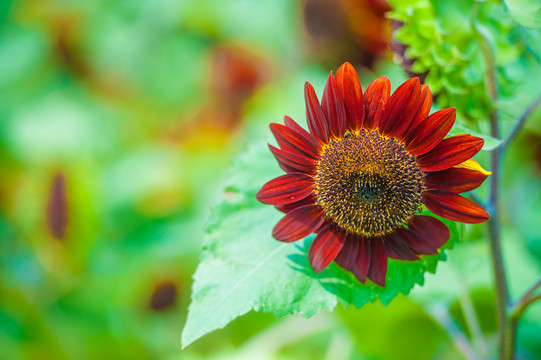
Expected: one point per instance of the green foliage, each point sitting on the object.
(120, 98)
(374, 324)
(526, 13)
(243, 268)
(447, 40)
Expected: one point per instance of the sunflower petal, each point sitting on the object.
(314, 115)
(298, 223)
(285, 208)
(378, 265)
(454, 207)
(375, 98)
(292, 141)
(400, 109)
(292, 124)
(474, 165)
(348, 254)
(424, 106)
(430, 230)
(416, 243)
(397, 248)
(430, 131)
(350, 87)
(325, 247)
(363, 260)
(450, 152)
(455, 179)
(285, 189)
(290, 162)
(333, 107)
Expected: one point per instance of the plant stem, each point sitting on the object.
(520, 123)
(507, 317)
(535, 286)
(527, 299)
(505, 338)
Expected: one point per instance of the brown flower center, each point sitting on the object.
(368, 184)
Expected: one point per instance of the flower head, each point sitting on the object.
(360, 176)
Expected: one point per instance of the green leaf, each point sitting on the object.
(490, 144)
(453, 55)
(526, 13)
(243, 268)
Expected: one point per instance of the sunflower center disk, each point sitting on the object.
(368, 184)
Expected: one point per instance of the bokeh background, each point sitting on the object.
(118, 120)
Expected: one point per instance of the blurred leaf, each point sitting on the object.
(373, 326)
(62, 125)
(526, 13)
(243, 268)
(482, 300)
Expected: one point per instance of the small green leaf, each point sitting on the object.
(243, 268)
(491, 143)
(526, 13)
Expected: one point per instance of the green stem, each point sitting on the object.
(507, 317)
(526, 300)
(507, 335)
(520, 123)
(505, 338)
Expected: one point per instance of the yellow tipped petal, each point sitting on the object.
(474, 165)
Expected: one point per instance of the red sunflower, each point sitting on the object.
(360, 176)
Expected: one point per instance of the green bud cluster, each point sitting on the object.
(447, 40)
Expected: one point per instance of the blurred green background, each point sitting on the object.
(117, 122)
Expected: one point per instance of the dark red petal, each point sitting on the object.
(298, 223)
(378, 266)
(314, 115)
(325, 247)
(424, 106)
(292, 162)
(375, 98)
(285, 189)
(430, 230)
(417, 243)
(333, 107)
(290, 123)
(430, 131)
(293, 142)
(455, 179)
(454, 207)
(397, 248)
(450, 152)
(400, 109)
(352, 93)
(285, 208)
(347, 256)
(362, 263)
